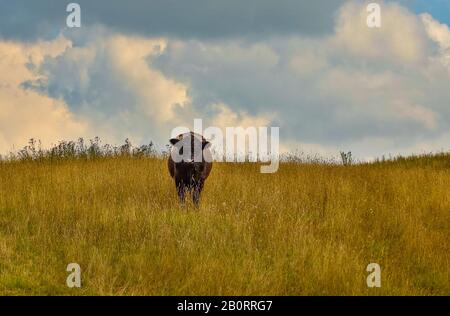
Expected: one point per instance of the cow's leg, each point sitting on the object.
(196, 194)
(181, 190)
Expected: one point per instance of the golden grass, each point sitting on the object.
(308, 229)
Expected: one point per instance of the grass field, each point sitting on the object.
(309, 229)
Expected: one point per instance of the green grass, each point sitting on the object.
(309, 229)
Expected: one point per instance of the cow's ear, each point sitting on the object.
(206, 144)
(173, 141)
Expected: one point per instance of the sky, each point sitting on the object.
(138, 69)
(439, 9)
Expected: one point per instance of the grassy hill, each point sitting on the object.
(309, 229)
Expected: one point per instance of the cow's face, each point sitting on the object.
(189, 148)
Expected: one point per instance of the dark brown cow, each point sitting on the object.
(190, 173)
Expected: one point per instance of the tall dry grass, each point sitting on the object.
(309, 229)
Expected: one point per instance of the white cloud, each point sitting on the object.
(438, 32)
(156, 95)
(226, 117)
(359, 85)
(399, 39)
(108, 82)
(27, 114)
(372, 91)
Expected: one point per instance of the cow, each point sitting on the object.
(190, 170)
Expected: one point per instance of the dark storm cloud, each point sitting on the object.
(28, 20)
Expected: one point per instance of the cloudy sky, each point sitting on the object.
(137, 69)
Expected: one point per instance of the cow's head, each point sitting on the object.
(189, 147)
